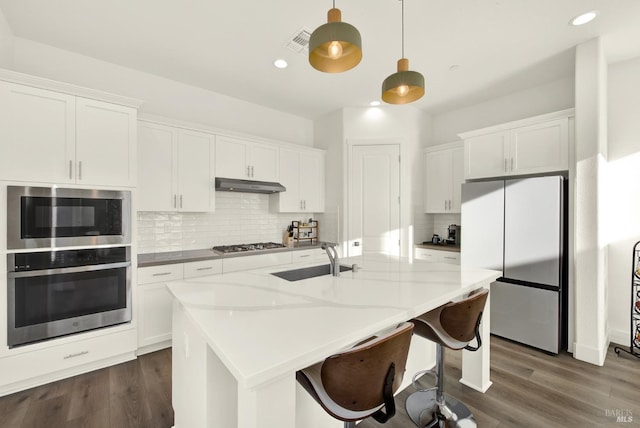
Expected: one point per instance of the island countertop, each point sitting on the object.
(261, 326)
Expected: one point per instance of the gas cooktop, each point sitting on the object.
(224, 249)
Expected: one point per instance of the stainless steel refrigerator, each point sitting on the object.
(519, 227)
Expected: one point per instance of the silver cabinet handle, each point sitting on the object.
(161, 274)
(300, 203)
(304, 255)
(205, 268)
(77, 354)
(252, 170)
(449, 258)
(70, 170)
(79, 170)
(304, 204)
(511, 164)
(248, 171)
(505, 164)
(175, 201)
(445, 204)
(180, 201)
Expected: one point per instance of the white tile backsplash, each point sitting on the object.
(238, 218)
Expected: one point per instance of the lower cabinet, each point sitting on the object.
(155, 300)
(427, 254)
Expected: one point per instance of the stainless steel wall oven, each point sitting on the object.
(50, 217)
(56, 293)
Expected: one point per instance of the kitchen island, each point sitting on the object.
(238, 339)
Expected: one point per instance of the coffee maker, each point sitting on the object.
(453, 237)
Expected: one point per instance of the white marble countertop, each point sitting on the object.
(262, 327)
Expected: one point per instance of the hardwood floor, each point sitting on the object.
(530, 389)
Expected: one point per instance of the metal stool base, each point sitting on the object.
(423, 411)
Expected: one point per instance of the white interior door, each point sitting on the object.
(374, 200)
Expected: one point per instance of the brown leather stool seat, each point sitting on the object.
(453, 325)
(360, 382)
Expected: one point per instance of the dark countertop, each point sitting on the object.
(171, 257)
(440, 247)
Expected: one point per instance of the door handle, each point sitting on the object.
(252, 170)
(511, 164)
(505, 164)
(70, 170)
(175, 201)
(180, 201)
(79, 170)
(248, 171)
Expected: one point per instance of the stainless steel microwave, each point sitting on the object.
(50, 217)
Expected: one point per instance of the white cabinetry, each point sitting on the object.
(175, 169)
(444, 177)
(310, 255)
(61, 138)
(530, 146)
(246, 160)
(427, 254)
(302, 174)
(155, 300)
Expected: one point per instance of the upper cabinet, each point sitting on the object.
(60, 138)
(246, 160)
(302, 174)
(175, 169)
(530, 146)
(444, 177)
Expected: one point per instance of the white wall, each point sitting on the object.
(6, 43)
(162, 96)
(623, 178)
(554, 96)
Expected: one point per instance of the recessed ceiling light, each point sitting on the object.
(584, 18)
(374, 103)
(280, 63)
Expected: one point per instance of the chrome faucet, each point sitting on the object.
(334, 266)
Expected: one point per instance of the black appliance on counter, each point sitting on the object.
(453, 234)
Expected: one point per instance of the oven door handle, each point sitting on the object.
(74, 269)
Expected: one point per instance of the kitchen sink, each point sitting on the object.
(308, 272)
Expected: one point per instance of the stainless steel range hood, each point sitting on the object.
(247, 186)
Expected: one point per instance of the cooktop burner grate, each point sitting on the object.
(247, 247)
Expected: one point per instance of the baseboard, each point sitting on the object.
(620, 337)
(590, 354)
(153, 348)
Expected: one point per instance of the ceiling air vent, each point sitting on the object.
(299, 42)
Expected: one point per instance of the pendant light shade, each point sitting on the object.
(335, 46)
(404, 86)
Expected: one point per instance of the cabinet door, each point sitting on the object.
(542, 147)
(157, 186)
(39, 128)
(263, 160)
(312, 181)
(457, 178)
(289, 200)
(194, 178)
(105, 143)
(485, 155)
(155, 301)
(438, 181)
(231, 158)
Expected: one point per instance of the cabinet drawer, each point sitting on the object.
(424, 254)
(29, 365)
(235, 264)
(450, 257)
(310, 255)
(202, 268)
(151, 274)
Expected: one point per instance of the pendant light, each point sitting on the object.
(335, 46)
(404, 86)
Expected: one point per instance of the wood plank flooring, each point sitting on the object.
(530, 389)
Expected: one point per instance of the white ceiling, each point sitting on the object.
(500, 46)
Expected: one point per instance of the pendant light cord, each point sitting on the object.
(402, 1)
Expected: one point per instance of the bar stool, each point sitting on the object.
(361, 381)
(453, 325)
